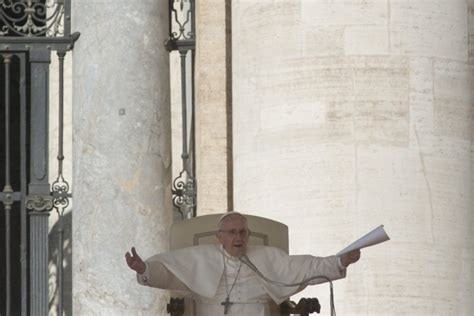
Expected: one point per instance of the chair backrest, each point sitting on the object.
(202, 230)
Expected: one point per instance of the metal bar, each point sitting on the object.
(61, 55)
(192, 136)
(14, 196)
(186, 44)
(60, 157)
(170, 18)
(23, 174)
(67, 18)
(31, 43)
(41, 40)
(184, 154)
(193, 20)
(7, 189)
(8, 260)
(7, 61)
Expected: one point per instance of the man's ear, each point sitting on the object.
(219, 236)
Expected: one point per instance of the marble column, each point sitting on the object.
(351, 114)
(122, 164)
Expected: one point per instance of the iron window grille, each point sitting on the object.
(29, 31)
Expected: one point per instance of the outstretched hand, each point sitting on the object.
(350, 257)
(135, 262)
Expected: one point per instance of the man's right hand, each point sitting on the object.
(135, 262)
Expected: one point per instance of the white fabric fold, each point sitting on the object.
(200, 268)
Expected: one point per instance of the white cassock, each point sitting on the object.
(200, 270)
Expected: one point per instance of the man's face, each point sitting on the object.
(234, 235)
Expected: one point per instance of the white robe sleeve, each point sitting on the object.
(199, 269)
(157, 275)
(276, 265)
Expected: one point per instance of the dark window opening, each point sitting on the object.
(17, 180)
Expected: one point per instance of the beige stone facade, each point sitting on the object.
(351, 114)
(213, 108)
(330, 116)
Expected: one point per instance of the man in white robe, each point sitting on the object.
(222, 284)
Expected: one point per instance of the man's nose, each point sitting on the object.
(240, 236)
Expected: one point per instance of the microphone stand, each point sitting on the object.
(246, 260)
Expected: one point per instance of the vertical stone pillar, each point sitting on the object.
(470, 292)
(213, 107)
(351, 114)
(121, 173)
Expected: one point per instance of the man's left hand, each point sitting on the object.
(350, 257)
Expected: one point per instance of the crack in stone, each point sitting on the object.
(423, 169)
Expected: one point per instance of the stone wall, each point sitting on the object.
(213, 108)
(351, 114)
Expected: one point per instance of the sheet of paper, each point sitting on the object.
(374, 237)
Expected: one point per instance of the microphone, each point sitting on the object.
(244, 259)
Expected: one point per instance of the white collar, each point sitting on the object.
(227, 255)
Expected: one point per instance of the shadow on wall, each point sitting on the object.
(54, 253)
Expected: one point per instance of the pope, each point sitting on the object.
(232, 278)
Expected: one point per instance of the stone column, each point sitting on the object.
(121, 173)
(470, 290)
(351, 114)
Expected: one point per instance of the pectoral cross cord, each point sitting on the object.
(227, 303)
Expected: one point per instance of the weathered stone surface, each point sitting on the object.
(429, 28)
(468, 266)
(351, 114)
(122, 163)
(452, 99)
(213, 108)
